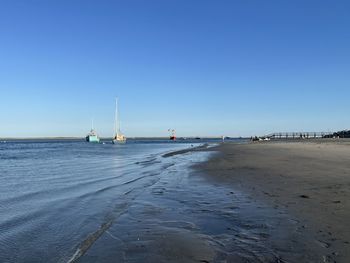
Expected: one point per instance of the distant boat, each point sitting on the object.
(92, 135)
(118, 136)
(172, 134)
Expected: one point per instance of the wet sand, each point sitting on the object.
(255, 202)
(309, 181)
(181, 216)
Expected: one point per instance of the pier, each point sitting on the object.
(298, 135)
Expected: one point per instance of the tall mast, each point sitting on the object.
(116, 117)
(92, 123)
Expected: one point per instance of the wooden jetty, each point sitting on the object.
(297, 135)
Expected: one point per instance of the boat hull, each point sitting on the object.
(118, 141)
(92, 138)
(119, 138)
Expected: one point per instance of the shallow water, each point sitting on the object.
(54, 194)
(80, 202)
(184, 218)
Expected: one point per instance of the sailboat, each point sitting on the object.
(118, 136)
(92, 135)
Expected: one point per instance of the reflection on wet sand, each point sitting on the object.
(185, 218)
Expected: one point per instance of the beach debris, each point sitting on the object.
(324, 243)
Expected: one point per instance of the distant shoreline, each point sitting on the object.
(108, 138)
(40, 138)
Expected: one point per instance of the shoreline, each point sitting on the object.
(308, 180)
(229, 202)
(183, 138)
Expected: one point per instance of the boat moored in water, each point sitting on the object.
(172, 134)
(118, 136)
(92, 136)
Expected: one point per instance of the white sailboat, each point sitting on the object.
(118, 136)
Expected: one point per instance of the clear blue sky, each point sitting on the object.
(202, 67)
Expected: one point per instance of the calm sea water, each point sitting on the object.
(55, 195)
(72, 201)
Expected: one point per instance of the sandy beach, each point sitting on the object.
(249, 202)
(233, 202)
(308, 182)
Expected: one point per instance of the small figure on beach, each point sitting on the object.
(255, 138)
